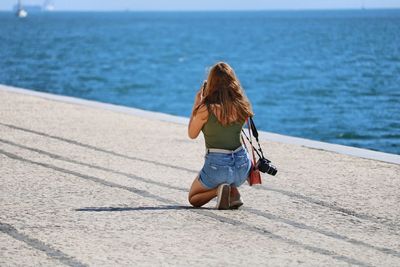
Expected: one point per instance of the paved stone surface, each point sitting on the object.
(82, 186)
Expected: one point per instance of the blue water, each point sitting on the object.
(325, 75)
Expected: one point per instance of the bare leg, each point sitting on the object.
(199, 195)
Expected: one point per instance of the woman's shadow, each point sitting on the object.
(172, 207)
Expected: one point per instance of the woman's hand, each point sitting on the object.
(199, 96)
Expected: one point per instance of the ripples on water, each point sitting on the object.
(326, 75)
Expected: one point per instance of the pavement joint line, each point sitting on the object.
(53, 253)
(200, 211)
(264, 214)
(58, 157)
(93, 147)
(384, 221)
(327, 233)
(252, 228)
(349, 212)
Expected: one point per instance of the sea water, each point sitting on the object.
(332, 76)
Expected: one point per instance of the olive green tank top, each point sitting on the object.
(223, 137)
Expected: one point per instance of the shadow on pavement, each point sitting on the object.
(174, 207)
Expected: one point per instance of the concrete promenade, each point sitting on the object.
(85, 186)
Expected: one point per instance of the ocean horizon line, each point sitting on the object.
(211, 10)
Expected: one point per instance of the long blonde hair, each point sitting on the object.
(223, 88)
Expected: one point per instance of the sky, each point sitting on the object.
(112, 5)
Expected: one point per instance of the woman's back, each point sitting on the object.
(218, 136)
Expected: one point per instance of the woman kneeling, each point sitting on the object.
(219, 111)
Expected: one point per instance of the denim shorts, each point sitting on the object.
(220, 168)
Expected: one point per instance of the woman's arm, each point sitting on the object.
(199, 119)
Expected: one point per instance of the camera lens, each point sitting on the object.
(272, 170)
(265, 166)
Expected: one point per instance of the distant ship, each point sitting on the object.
(21, 12)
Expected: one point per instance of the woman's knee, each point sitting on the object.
(195, 203)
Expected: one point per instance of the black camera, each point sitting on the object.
(265, 166)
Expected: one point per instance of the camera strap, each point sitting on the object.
(252, 147)
(251, 144)
(251, 125)
(255, 134)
